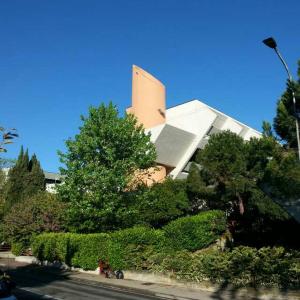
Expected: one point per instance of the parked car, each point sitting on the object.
(6, 286)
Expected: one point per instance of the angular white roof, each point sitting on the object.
(187, 128)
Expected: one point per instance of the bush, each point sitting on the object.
(51, 246)
(78, 250)
(142, 248)
(162, 203)
(17, 249)
(243, 266)
(129, 248)
(40, 213)
(122, 249)
(86, 249)
(196, 232)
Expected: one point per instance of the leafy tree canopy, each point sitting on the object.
(284, 122)
(100, 163)
(162, 203)
(39, 213)
(245, 178)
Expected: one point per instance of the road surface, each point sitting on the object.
(34, 282)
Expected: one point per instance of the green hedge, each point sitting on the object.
(129, 248)
(141, 248)
(122, 249)
(243, 266)
(196, 232)
(17, 248)
(78, 250)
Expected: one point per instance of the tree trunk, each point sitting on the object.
(241, 204)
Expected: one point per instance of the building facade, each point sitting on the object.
(180, 131)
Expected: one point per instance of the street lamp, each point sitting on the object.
(270, 42)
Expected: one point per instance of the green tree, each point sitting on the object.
(4, 163)
(42, 212)
(163, 202)
(284, 122)
(243, 179)
(224, 162)
(2, 192)
(100, 164)
(35, 178)
(16, 180)
(25, 179)
(267, 129)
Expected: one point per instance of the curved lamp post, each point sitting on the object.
(270, 42)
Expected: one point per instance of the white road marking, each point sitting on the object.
(30, 290)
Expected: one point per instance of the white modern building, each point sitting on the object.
(187, 129)
(180, 131)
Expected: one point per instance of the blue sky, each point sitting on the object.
(58, 57)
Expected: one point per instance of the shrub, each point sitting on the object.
(40, 213)
(144, 248)
(51, 246)
(86, 249)
(243, 266)
(196, 232)
(78, 250)
(122, 249)
(162, 203)
(129, 248)
(17, 249)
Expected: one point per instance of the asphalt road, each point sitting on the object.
(36, 283)
(75, 291)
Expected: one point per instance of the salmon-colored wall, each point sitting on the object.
(158, 174)
(149, 107)
(149, 176)
(148, 98)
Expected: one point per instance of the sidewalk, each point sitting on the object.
(171, 291)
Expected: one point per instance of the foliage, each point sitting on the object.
(100, 164)
(6, 137)
(284, 122)
(162, 203)
(224, 168)
(35, 179)
(17, 248)
(78, 250)
(283, 176)
(245, 178)
(122, 249)
(243, 266)
(2, 192)
(25, 179)
(196, 232)
(267, 129)
(40, 213)
(129, 247)
(6, 162)
(139, 249)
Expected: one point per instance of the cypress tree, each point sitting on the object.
(35, 178)
(16, 178)
(25, 179)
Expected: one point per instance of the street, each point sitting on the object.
(70, 289)
(34, 282)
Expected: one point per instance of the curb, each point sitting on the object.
(91, 278)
